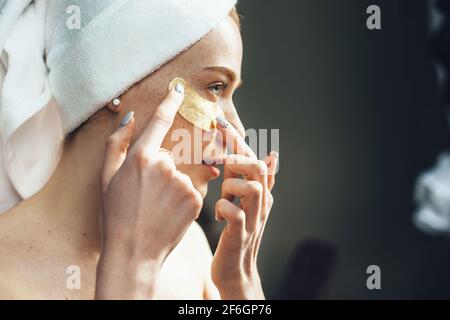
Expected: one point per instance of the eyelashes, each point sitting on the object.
(218, 88)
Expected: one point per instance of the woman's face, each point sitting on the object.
(213, 68)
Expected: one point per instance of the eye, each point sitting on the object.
(218, 88)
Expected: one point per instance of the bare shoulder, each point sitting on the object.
(6, 272)
(6, 290)
(200, 250)
(13, 258)
(195, 249)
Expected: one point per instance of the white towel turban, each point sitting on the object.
(54, 76)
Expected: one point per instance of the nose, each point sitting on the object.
(233, 118)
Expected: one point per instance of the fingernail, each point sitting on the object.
(222, 122)
(179, 88)
(126, 120)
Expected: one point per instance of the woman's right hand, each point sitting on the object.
(147, 206)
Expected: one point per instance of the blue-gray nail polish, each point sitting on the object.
(179, 88)
(126, 120)
(222, 122)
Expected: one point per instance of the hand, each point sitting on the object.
(234, 268)
(147, 207)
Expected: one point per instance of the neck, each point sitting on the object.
(70, 204)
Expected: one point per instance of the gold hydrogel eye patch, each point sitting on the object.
(195, 109)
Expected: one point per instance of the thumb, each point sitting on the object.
(116, 149)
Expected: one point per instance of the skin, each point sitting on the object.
(128, 218)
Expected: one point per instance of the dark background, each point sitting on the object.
(360, 117)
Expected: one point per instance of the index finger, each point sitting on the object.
(234, 139)
(162, 120)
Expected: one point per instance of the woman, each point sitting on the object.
(146, 244)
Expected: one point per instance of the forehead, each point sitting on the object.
(221, 47)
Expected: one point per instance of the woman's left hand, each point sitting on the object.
(234, 267)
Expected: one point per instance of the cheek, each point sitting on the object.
(178, 124)
(143, 111)
(188, 132)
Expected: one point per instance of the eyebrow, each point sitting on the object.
(228, 72)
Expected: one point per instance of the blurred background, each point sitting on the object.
(360, 117)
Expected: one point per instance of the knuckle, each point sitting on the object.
(220, 204)
(240, 217)
(262, 167)
(255, 188)
(182, 183)
(197, 205)
(164, 168)
(185, 187)
(195, 202)
(141, 158)
(225, 184)
(196, 199)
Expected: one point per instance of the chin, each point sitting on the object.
(200, 186)
(200, 176)
(203, 189)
